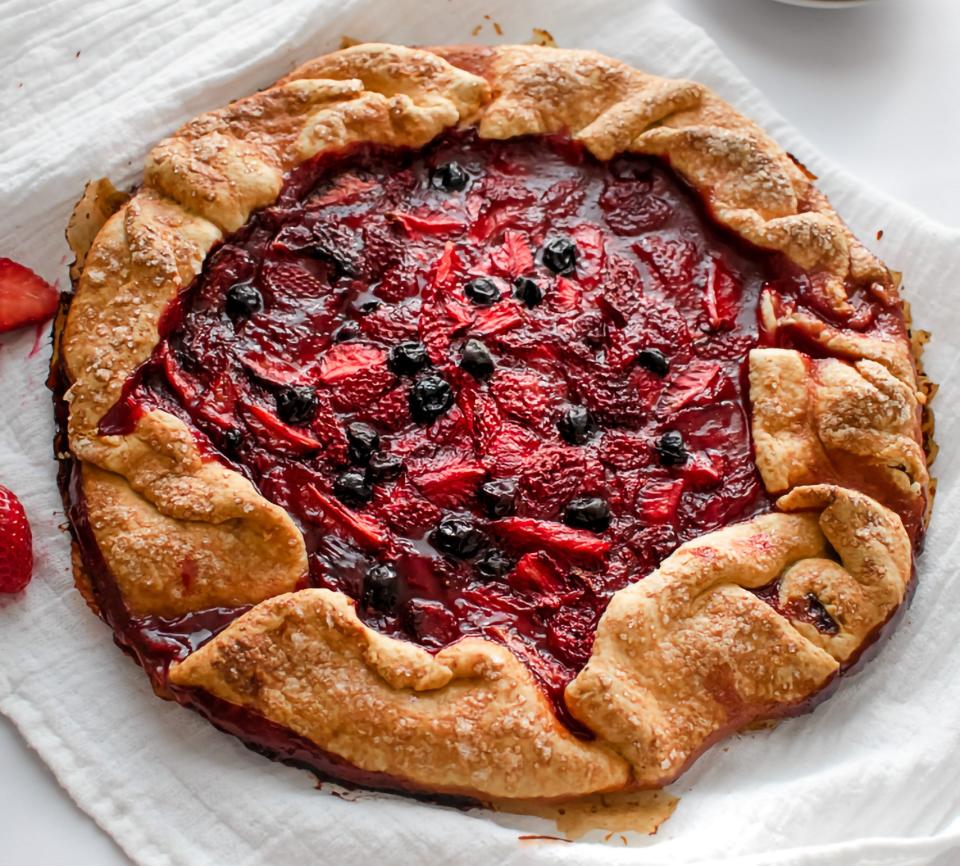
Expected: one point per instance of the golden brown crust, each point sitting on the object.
(689, 652)
(680, 657)
(827, 420)
(468, 720)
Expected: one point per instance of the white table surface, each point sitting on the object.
(874, 87)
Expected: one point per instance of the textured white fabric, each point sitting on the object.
(870, 778)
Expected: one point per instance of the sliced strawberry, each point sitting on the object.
(448, 483)
(570, 635)
(721, 296)
(390, 412)
(623, 450)
(497, 319)
(181, 385)
(672, 260)
(404, 509)
(270, 428)
(527, 397)
(704, 470)
(346, 190)
(525, 532)
(446, 266)
(631, 209)
(460, 316)
(25, 298)
(392, 323)
(432, 623)
(565, 296)
(361, 390)
(513, 257)
(364, 530)
(536, 573)
(694, 384)
(659, 500)
(343, 360)
(274, 370)
(549, 478)
(427, 225)
(329, 430)
(622, 286)
(591, 254)
(563, 198)
(508, 447)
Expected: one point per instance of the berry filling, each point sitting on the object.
(494, 382)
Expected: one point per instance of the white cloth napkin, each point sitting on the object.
(871, 778)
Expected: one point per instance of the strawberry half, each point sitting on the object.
(16, 544)
(25, 298)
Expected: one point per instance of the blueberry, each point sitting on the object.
(380, 585)
(296, 404)
(527, 291)
(383, 467)
(362, 442)
(457, 535)
(349, 330)
(232, 439)
(351, 488)
(476, 359)
(654, 360)
(430, 397)
(560, 255)
(576, 425)
(671, 449)
(408, 358)
(243, 300)
(449, 176)
(587, 512)
(365, 308)
(482, 292)
(498, 497)
(493, 563)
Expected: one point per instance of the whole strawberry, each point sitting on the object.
(16, 544)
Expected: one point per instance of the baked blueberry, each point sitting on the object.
(243, 300)
(349, 330)
(576, 425)
(457, 535)
(476, 359)
(498, 497)
(526, 289)
(408, 358)
(560, 255)
(296, 404)
(232, 439)
(671, 449)
(383, 467)
(430, 397)
(362, 442)
(380, 585)
(482, 291)
(450, 176)
(368, 306)
(493, 563)
(351, 488)
(587, 512)
(654, 360)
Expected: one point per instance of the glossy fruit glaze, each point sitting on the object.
(615, 410)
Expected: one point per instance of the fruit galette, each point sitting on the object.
(494, 422)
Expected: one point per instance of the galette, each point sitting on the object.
(486, 422)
